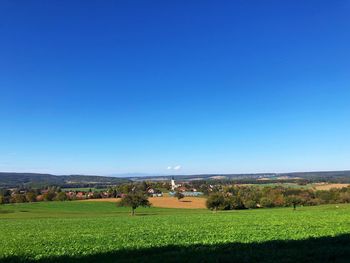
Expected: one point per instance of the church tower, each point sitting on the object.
(173, 185)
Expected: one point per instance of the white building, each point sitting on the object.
(173, 184)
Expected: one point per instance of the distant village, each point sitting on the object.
(223, 195)
(55, 193)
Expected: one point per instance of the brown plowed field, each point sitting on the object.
(166, 202)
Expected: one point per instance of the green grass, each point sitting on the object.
(99, 231)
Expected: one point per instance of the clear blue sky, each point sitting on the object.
(107, 87)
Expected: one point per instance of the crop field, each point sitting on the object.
(165, 202)
(287, 185)
(102, 232)
(313, 186)
(326, 186)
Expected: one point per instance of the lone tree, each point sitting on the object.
(293, 200)
(215, 201)
(179, 195)
(134, 200)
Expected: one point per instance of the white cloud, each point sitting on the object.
(175, 168)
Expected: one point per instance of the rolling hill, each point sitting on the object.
(10, 179)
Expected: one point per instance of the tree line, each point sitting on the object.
(53, 193)
(250, 197)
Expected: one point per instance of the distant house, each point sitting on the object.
(154, 192)
(181, 189)
(187, 193)
(39, 198)
(151, 191)
(80, 195)
(105, 194)
(70, 195)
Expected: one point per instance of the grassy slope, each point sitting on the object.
(65, 231)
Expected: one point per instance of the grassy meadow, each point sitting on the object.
(100, 231)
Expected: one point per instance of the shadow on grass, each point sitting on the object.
(144, 214)
(326, 249)
(6, 211)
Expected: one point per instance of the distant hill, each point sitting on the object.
(328, 176)
(8, 180)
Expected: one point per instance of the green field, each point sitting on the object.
(99, 231)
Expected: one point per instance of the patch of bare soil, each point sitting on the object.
(166, 202)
